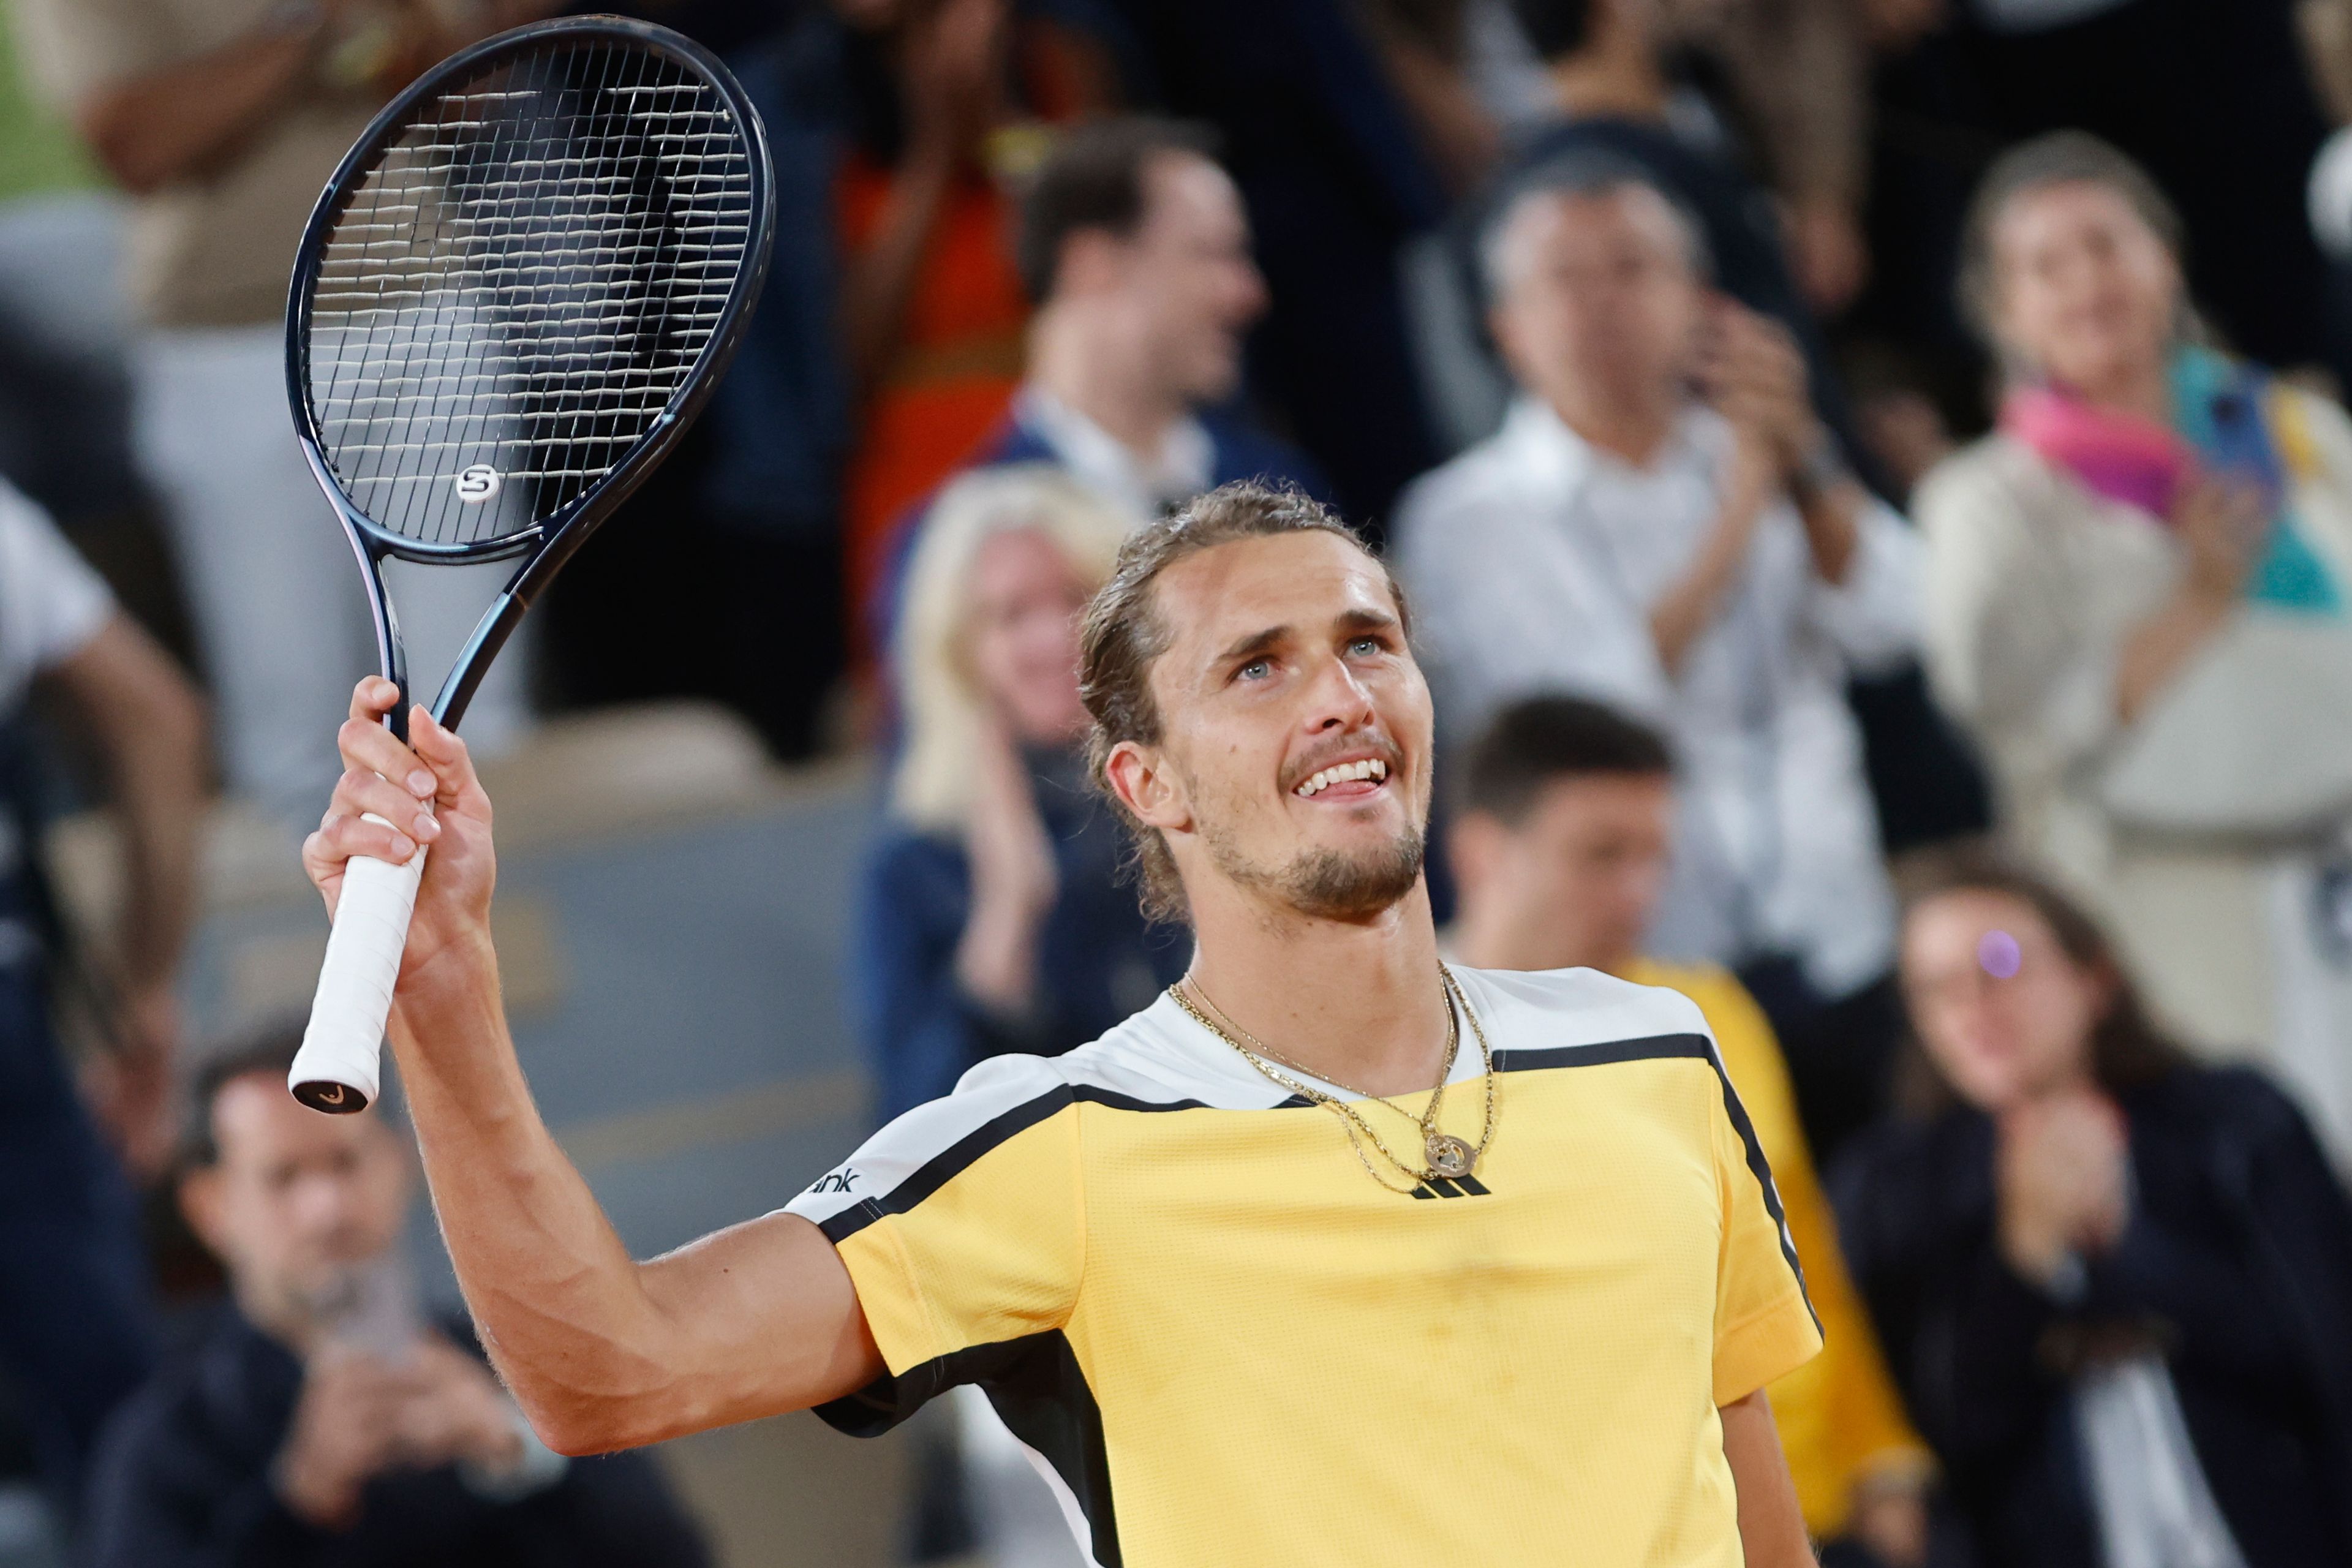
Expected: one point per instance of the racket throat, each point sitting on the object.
(489, 635)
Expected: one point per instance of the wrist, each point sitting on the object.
(1815, 466)
(456, 979)
(2030, 1244)
(321, 1501)
(999, 975)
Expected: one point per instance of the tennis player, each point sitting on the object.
(1331, 1255)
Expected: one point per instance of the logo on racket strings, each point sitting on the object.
(478, 483)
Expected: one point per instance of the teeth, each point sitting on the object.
(1342, 772)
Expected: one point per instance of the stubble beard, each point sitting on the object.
(1329, 884)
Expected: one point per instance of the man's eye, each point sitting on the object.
(1256, 668)
(1365, 645)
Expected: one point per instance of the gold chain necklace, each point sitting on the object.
(1449, 1157)
(1225, 1026)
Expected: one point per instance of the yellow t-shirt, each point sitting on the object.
(1226, 1345)
(1839, 1415)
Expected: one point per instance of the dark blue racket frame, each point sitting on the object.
(550, 542)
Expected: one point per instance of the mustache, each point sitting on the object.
(1363, 742)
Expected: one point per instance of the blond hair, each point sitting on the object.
(931, 786)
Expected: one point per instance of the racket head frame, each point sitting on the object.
(548, 543)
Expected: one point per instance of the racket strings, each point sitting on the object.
(514, 295)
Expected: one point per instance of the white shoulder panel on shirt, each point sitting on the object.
(1548, 1009)
(1160, 1061)
(994, 1100)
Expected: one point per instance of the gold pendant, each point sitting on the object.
(1449, 1156)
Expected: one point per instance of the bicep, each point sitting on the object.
(762, 1319)
(1772, 1526)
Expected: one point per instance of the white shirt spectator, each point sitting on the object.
(51, 602)
(1533, 561)
(1187, 460)
(51, 605)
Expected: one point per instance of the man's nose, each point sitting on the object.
(1341, 699)
(323, 1203)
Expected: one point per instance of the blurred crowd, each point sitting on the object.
(1875, 493)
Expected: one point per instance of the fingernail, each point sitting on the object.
(403, 847)
(420, 783)
(426, 828)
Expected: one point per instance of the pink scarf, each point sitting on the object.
(2119, 456)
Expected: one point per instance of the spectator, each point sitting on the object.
(931, 303)
(223, 118)
(2135, 601)
(2112, 1285)
(992, 918)
(1614, 96)
(2122, 70)
(1790, 79)
(1700, 560)
(1134, 247)
(73, 1309)
(1559, 851)
(321, 1420)
(1335, 183)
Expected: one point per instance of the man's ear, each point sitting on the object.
(1502, 331)
(200, 1201)
(1091, 261)
(1144, 783)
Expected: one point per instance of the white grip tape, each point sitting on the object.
(344, 1044)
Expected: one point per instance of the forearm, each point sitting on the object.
(1800, 68)
(1690, 607)
(1771, 1525)
(881, 280)
(996, 961)
(1831, 514)
(182, 120)
(160, 786)
(601, 1351)
(560, 1303)
(148, 722)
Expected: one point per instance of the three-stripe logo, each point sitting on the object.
(1452, 1187)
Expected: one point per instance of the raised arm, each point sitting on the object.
(600, 1352)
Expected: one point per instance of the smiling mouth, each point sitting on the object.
(1369, 771)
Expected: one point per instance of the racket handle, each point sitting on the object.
(338, 1068)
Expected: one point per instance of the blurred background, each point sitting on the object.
(1875, 486)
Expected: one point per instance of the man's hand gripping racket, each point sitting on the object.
(516, 293)
(395, 800)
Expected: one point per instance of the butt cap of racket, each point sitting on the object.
(339, 1068)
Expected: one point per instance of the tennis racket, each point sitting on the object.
(514, 295)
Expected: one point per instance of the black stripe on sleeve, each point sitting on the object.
(944, 1166)
(1763, 1170)
(1037, 1386)
(1667, 1047)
